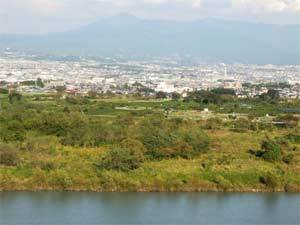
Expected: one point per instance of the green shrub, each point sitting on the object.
(122, 159)
(221, 181)
(270, 180)
(45, 144)
(213, 123)
(288, 159)
(293, 138)
(197, 139)
(8, 155)
(272, 150)
(169, 139)
(241, 125)
(133, 144)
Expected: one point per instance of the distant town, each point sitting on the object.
(30, 74)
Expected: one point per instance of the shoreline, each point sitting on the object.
(196, 190)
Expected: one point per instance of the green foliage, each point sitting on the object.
(168, 139)
(133, 144)
(223, 91)
(8, 155)
(122, 159)
(270, 95)
(289, 120)
(12, 131)
(241, 125)
(221, 181)
(272, 150)
(288, 159)
(295, 138)
(60, 89)
(175, 96)
(204, 97)
(161, 95)
(3, 91)
(14, 96)
(59, 141)
(44, 144)
(270, 180)
(197, 139)
(72, 129)
(40, 83)
(213, 124)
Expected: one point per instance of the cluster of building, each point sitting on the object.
(167, 75)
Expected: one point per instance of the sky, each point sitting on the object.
(44, 16)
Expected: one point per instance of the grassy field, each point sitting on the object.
(227, 165)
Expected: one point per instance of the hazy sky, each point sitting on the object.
(39, 16)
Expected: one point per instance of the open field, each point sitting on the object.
(61, 144)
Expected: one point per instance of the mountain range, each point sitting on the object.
(210, 40)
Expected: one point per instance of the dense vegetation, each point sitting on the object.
(133, 143)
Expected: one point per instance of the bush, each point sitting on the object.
(293, 138)
(222, 182)
(213, 124)
(197, 139)
(8, 155)
(288, 159)
(46, 144)
(133, 145)
(270, 180)
(241, 125)
(289, 120)
(272, 150)
(122, 159)
(169, 139)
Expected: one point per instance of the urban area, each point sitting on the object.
(30, 74)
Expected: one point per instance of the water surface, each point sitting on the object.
(58, 208)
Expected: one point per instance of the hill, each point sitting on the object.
(210, 40)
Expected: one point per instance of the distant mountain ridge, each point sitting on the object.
(213, 40)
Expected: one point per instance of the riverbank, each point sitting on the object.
(295, 189)
(226, 167)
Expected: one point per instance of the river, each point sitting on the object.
(58, 208)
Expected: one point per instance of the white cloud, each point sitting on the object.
(65, 14)
(267, 6)
(45, 7)
(34, 7)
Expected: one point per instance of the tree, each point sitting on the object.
(14, 96)
(175, 96)
(204, 97)
(161, 95)
(270, 95)
(273, 94)
(223, 91)
(40, 83)
(60, 89)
